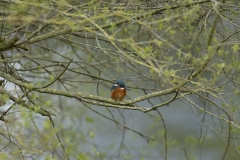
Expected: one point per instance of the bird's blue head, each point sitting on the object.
(119, 84)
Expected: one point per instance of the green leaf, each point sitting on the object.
(82, 156)
(3, 156)
(47, 125)
(36, 108)
(29, 85)
(91, 134)
(3, 99)
(51, 77)
(89, 120)
(235, 48)
(48, 103)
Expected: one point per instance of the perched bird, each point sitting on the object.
(119, 90)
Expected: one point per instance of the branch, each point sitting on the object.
(162, 104)
(102, 101)
(22, 102)
(214, 115)
(6, 44)
(58, 76)
(97, 100)
(120, 22)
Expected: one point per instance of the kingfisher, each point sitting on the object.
(119, 90)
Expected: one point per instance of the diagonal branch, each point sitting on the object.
(102, 101)
(41, 111)
(57, 78)
(6, 44)
(120, 22)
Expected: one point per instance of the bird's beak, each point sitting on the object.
(127, 88)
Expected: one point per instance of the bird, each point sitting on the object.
(118, 90)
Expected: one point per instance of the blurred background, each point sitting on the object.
(180, 61)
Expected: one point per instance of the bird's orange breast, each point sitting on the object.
(118, 94)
